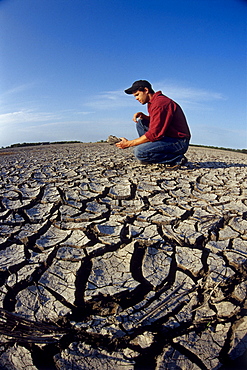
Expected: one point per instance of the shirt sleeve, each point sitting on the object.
(160, 119)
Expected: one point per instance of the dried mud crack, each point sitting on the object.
(109, 264)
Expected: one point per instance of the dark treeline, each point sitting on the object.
(221, 148)
(17, 145)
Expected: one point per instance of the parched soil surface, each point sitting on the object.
(109, 264)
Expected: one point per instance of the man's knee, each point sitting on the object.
(139, 153)
(136, 152)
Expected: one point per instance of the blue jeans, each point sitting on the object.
(166, 150)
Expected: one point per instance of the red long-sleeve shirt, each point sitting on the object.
(166, 119)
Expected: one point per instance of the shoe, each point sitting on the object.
(144, 163)
(183, 161)
(176, 166)
(171, 167)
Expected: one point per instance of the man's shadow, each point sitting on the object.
(240, 363)
(213, 164)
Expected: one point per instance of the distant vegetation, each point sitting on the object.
(42, 143)
(221, 148)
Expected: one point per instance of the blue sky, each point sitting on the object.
(65, 63)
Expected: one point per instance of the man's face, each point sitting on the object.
(142, 96)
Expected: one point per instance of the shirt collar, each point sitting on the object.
(154, 96)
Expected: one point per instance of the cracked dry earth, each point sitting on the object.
(109, 264)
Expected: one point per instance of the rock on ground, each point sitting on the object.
(109, 264)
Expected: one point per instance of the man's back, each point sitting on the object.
(166, 119)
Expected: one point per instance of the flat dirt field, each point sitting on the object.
(106, 263)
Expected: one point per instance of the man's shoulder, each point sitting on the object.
(160, 98)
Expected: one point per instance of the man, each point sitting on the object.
(163, 134)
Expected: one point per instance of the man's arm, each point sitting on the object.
(128, 143)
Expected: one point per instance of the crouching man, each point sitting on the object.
(163, 134)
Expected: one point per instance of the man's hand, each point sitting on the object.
(140, 115)
(124, 143)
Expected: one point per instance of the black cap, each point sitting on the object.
(136, 85)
